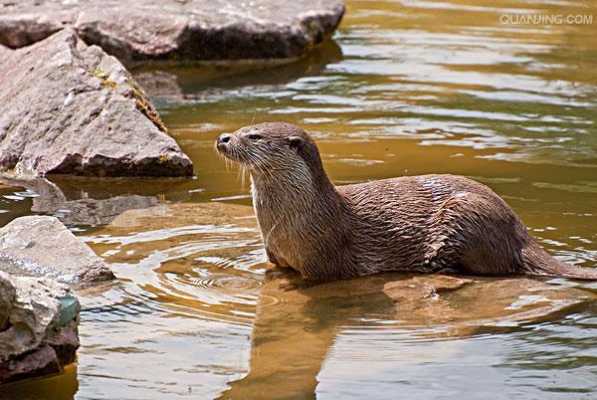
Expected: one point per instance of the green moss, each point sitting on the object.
(103, 76)
(145, 107)
(141, 101)
(99, 73)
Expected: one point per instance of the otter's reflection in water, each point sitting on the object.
(297, 325)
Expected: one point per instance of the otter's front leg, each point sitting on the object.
(277, 261)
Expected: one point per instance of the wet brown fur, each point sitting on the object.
(426, 224)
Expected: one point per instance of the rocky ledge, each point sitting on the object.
(41, 246)
(177, 29)
(69, 108)
(38, 327)
(40, 259)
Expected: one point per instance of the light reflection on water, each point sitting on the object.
(409, 87)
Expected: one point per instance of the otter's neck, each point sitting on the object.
(286, 196)
(306, 224)
(295, 206)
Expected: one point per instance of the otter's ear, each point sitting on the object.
(295, 142)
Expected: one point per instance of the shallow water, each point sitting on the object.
(408, 87)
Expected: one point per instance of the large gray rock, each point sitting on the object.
(39, 333)
(5, 51)
(42, 246)
(177, 29)
(8, 294)
(72, 109)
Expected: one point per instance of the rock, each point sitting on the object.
(419, 288)
(79, 207)
(19, 28)
(92, 212)
(172, 216)
(177, 29)
(43, 247)
(71, 109)
(8, 294)
(161, 85)
(5, 51)
(40, 334)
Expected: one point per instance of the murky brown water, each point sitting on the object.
(408, 87)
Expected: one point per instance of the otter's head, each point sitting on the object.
(272, 149)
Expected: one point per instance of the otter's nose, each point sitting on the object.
(224, 138)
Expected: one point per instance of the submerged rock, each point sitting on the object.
(175, 29)
(77, 201)
(43, 247)
(67, 108)
(38, 335)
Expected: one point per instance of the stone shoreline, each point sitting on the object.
(144, 30)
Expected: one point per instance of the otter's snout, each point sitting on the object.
(223, 140)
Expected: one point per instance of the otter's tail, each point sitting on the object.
(538, 262)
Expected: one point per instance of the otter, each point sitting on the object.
(422, 224)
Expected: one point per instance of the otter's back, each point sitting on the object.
(401, 219)
(411, 197)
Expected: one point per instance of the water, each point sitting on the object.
(408, 87)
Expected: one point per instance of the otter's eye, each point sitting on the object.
(254, 136)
